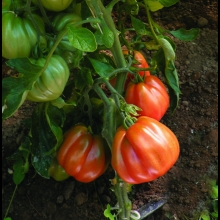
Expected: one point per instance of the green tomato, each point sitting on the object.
(54, 5)
(56, 171)
(50, 85)
(63, 20)
(19, 35)
(63, 45)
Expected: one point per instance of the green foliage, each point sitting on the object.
(211, 214)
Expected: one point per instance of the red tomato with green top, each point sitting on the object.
(151, 96)
(140, 62)
(145, 151)
(83, 155)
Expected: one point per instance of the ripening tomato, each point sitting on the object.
(83, 155)
(145, 151)
(151, 96)
(140, 62)
(56, 171)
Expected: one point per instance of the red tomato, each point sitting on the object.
(151, 96)
(144, 152)
(141, 63)
(83, 155)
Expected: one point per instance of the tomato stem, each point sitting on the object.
(122, 196)
(109, 127)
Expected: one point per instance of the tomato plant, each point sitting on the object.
(151, 96)
(69, 81)
(51, 83)
(83, 155)
(19, 35)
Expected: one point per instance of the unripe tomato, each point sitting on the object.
(151, 96)
(19, 35)
(145, 151)
(63, 20)
(54, 5)
(50, 85)
(83, 155)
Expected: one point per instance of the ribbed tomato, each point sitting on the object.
(83, 155)
(19, 35)
(151, 96)
(50, 85)
(145, 151)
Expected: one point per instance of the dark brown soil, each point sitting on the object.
(195, 123)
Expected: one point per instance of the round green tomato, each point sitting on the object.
(54, 5)
(50, 85)
(63, 20)
(83, 155)
(56, 171)
(145, 151)
(19, 35)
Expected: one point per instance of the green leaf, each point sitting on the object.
(107, 213)
(107, 36)
(168, 3)
(214, 215)
(82, 39)
(214, 192)
(133, 6)
(103, 69)
(173, 82)
(154, 5)
(98, 37)
(15, 89)
(215, 205)
(185, 35)
(140, 27)
(60, 103)
(167, 48)
(83, 78)
(204, 215)
(18, 174)
(46, 136)
(152, 45)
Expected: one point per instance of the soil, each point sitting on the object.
(195, 123)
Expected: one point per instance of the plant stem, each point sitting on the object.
(16, 186)
(115, 49)
(123, 200)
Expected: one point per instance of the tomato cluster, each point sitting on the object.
(147, 149)
(140, 153)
